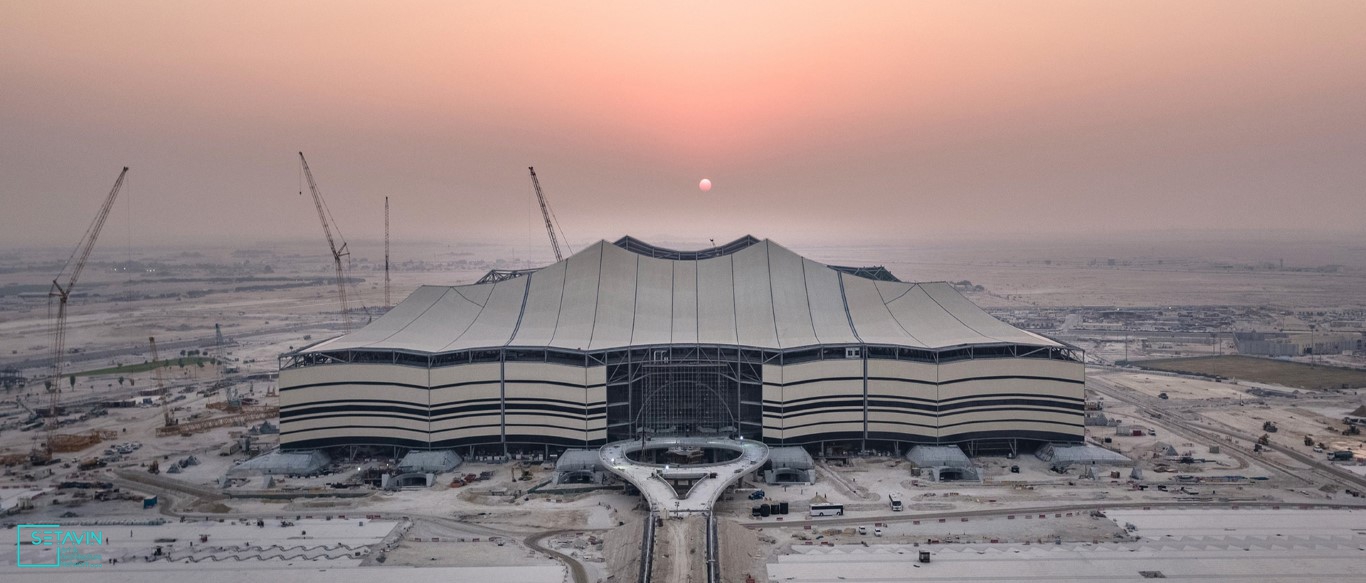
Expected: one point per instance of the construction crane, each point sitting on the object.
(231, 401)
(386, 253)
(161, 383)
(551, 223)
(337, 252)
(73, 268)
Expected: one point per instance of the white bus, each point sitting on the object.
(827, 510)
(896, 502)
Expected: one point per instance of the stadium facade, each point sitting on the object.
(624, 339)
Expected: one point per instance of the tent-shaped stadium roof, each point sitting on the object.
(752, 293)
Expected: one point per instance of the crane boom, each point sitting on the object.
(550, 222)
(76, 262)
(337, 252)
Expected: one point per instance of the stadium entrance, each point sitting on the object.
(685, 392)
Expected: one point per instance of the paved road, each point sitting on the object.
(910, 516)
(575, 568)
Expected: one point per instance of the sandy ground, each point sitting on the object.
(680, 550)
(428, 544)
(1177, 388)
(621, 549)
(743, 551)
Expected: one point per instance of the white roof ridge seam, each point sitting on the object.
(960, 320)
(472, 320)
(893, 314)
(405, 326)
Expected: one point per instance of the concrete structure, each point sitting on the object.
(1185, 544)
(580, 466)
(1297, 344)
(942, 462)
(429, 461)
(746, 339)
(280, 463)
(686, 489)
(790, 465)
(1085, 454)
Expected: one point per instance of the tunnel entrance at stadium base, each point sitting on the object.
(578, 477)
(685, 392)
(790, 476)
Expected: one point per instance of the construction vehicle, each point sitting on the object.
(551, 222)
(62, 293)
(338, 252)
(158, 374)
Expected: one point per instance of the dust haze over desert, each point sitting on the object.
(795, 291)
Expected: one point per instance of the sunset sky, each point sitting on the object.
(817, 122)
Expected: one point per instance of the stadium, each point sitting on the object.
(626, 339)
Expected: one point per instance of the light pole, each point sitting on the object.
(1313, 353)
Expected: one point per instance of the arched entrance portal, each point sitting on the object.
(687, 406)
(692, 391)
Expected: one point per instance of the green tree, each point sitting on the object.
(121, 381)
(72, 379)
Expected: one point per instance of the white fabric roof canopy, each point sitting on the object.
(606, 297)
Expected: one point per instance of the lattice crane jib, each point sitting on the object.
(338, 252)
(551, 221)
(75, 265)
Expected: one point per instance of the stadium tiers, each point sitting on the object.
(747, 337)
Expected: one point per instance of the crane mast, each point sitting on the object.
(550, 221)
(386, 253)
(62, 294)
(337, 252)
(161, 382)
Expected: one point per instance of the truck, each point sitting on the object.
(1341, 456)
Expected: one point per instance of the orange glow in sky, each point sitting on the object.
(877, 119)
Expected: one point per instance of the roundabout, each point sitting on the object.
(682, 475)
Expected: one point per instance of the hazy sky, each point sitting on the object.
(816, 121)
